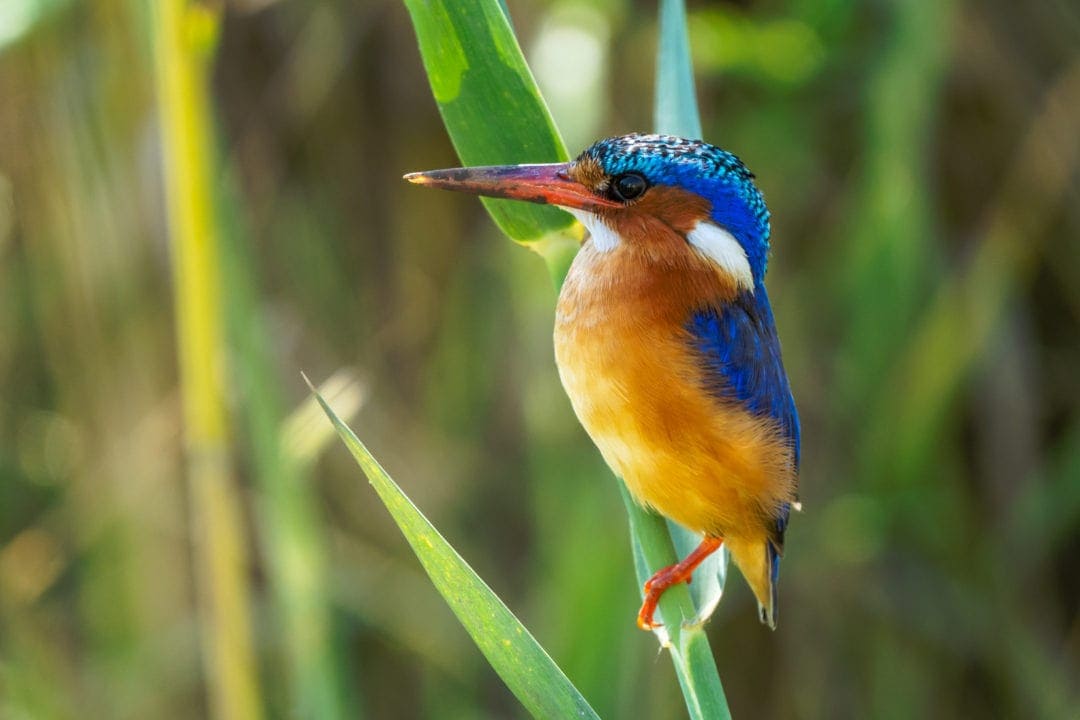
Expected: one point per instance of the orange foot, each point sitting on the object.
(673, 575)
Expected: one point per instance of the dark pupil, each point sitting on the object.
(629, 186)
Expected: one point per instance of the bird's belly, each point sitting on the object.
(637, 390)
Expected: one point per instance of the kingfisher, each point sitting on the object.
(666, 344)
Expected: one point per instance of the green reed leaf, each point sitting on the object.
(489, 101)
(512, 651)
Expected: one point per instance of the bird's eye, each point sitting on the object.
(629, 186)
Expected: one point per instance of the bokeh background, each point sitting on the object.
(920, 160)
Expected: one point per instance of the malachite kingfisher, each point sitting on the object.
(665, 341)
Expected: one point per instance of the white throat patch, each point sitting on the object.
(713, 242)
(604, 238)
(721, 247)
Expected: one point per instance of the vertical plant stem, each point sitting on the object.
(689, 646)
(183, 40)
(675, 109)
(676, 113)
(657, 543)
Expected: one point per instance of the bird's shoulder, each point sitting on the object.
(739, 351)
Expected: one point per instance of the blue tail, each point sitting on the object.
(773, 547)
(769, 613)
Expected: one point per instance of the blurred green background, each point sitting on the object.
(920, 160)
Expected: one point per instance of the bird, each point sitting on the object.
(666, 344)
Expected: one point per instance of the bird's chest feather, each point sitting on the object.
(623, 351)
(628, 363)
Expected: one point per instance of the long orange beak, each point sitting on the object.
(546, 184)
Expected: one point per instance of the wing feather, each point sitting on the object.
(740, 352)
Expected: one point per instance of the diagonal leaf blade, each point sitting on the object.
(512, 651)
(489, 101)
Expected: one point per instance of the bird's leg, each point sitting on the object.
(673, 575)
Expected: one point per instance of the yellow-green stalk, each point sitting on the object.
(184, 37)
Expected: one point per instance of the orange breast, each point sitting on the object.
(625, 359)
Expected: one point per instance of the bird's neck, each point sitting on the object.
(675, 233)
(663, 281)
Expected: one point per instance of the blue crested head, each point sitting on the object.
(695, 166)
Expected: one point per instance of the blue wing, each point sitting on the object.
(741, 352)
